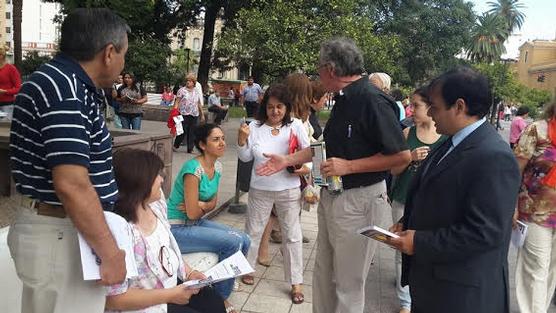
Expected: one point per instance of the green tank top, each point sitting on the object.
(401, 183)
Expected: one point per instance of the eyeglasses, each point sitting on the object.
(164, 258)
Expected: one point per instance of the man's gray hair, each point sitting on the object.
(85, 32)
(343, 55)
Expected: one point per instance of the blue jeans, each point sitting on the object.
(207, 236)
(130, 121)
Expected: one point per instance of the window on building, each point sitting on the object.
(196, 44)
(8, 30)
(8, 44)
(8, 15)
(526, 55)
(8, 1)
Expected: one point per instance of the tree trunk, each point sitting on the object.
(208, 37)
(17, 9)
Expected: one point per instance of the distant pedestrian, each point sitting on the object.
(518, 125)
(131, 96)
(251, 96)
(10, 82)
(167, 98)
(215, 106)
(188, 102)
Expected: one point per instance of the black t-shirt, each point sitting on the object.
(362, 123)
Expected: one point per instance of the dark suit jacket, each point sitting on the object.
(462, 211)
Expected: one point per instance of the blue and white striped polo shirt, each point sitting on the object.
(56, 121)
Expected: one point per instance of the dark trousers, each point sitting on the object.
(188, 124)
(206, 301)
(220, 113)
(251, 107)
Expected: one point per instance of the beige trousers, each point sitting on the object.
(343, 256)
(259, 205)
(45, 251)
(535, 276)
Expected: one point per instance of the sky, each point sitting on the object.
(539, 23)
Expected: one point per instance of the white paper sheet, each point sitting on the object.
(179, 127)
(121, 231)
(234, 266)
(519, 233)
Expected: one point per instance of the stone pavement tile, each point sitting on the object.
(273, 288)
(259, 270)
(274, 273)
(238, 299)
(311, 234)
(310, 265)
(305, 307)
(308, 278)
(258, 303)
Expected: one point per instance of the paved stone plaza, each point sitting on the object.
(270, 292)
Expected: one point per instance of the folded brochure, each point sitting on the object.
(377, 233)
(234, 266)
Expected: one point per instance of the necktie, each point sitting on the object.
(441, 151)
(437, 156)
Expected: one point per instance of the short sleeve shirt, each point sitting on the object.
(57, 121)
(536, 202)
(252, 93)
(208, 188)
(188, 101)
(127, 94)
(363, 123)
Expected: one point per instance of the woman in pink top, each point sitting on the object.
(518, 125)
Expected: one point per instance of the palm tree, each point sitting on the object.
(487, 39)
(510, 11)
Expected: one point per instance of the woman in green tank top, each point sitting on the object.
(421, 139)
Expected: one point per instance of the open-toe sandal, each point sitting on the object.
(248, 279)
(297, 297)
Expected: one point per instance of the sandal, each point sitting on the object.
(248, 279)
(297, 296)
(263, 262)
(229, 307)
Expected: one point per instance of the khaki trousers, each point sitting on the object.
(343, 256)
(45, 251)
(259, 205)
(535, 276)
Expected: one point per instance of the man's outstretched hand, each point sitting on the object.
(274, 164)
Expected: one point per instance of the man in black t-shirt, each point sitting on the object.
(363, 142)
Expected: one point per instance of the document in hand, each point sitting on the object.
(234, 266)
(121, 231)
(519, 233)
(377, 233)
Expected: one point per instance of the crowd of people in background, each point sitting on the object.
(429, 162)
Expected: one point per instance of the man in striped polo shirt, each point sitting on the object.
(61, 155)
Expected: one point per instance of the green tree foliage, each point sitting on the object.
(148, 60)
(487, 39)
(506, 88)
(32, 62)
(279, 37)
(431, 34)
(509, 10)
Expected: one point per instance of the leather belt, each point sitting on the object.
(51, 210)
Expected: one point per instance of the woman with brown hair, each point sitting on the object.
(536, 207)
(271, 133)
(157, 255)
(188, 102)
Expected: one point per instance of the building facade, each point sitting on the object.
(536, 67)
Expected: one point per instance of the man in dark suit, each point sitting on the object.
(458, 216)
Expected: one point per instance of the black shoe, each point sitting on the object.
(305, 240)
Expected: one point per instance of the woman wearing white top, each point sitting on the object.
(270, 133)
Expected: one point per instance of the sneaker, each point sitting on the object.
(305, 239)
